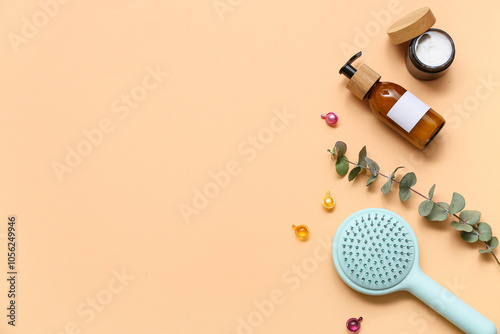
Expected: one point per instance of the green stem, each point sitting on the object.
(422, 195)
(495, 257)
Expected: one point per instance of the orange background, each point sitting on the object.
(103, 246)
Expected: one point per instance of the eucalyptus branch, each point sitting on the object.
(467, 220)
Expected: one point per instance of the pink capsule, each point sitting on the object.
(330, 118)
(353, 324)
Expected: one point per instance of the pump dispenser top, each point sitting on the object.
(362, 80)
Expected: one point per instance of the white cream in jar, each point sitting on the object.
(430, 54)
(433, 48)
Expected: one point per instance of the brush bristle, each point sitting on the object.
(376, 251)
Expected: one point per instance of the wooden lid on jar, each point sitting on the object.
(362, 81)
(411, 26)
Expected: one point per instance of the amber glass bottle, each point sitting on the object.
(394, 105)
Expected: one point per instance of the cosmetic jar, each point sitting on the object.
(431, 51)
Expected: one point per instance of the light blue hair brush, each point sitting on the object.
(375, 252)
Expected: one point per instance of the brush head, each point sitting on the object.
(374, 250)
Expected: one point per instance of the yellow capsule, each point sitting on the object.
(328, 201)
(301, 231)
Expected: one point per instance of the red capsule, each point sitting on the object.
(330, 118)
(353, 324)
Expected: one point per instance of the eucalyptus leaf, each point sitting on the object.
(342, 166)
(408, 181)
(438, 213)
(470, 237)
(354, 172)
(371, 179)
(471, 217)
(484, 230)
(405, 184)
(457, 203)
(492, 244)
(404, 195)
(340, 148)
(394, 172)
(361, 157)
(459, 226)
(425, 208)
(386, 188)
(373, 166)
(431, 191)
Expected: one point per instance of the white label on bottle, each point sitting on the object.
(408, 111)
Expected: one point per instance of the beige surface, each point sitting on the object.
(102, 244)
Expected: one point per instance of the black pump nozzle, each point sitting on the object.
(347, 69)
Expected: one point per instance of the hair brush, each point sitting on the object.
(375, 252)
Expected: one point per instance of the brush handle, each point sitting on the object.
(448, 305)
